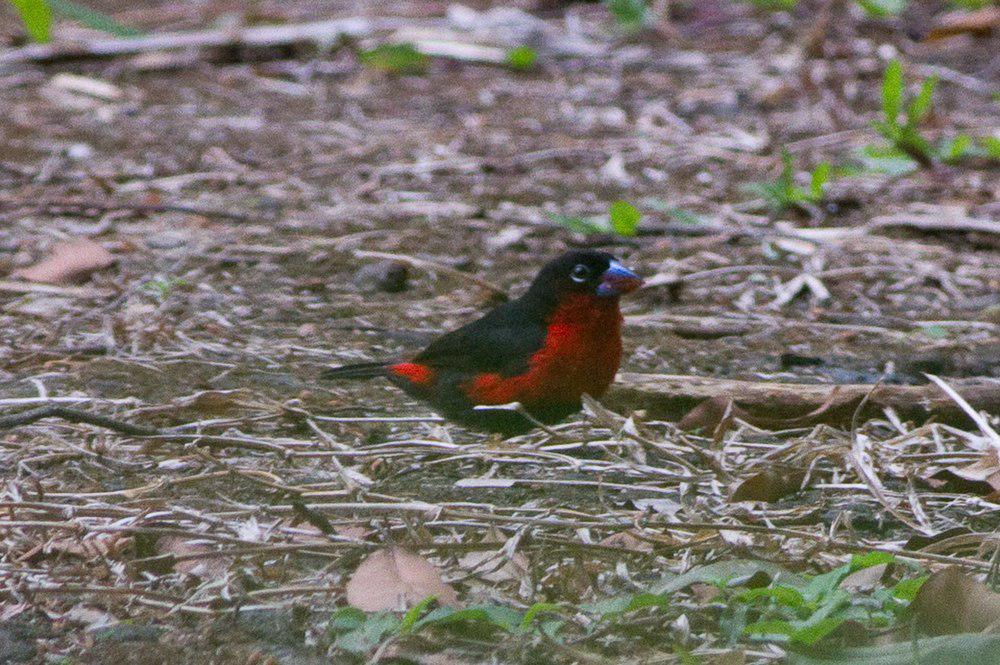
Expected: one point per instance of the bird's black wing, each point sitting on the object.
(502, 341)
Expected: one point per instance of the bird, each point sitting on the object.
(560, 340)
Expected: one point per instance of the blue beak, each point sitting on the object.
(618, 280)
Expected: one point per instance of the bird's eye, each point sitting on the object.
(580, 273)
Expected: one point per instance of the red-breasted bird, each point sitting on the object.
(559, 340)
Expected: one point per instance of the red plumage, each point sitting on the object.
(559, 340)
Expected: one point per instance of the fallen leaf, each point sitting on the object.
(980, 22)
(69, 262)
(208, 568)
(493, 567)
(865, 579)
(391, 579)
(982, 477)
(952, 601)
(627, 540)
(769, 485)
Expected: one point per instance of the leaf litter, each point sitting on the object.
(268, 500)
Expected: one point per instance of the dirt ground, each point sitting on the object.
(239, 190)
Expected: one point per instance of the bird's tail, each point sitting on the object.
(356, 371)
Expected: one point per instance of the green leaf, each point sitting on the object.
(817, 183)
(624, 604)
(505, 618)
(625, 218)
(414, 613)
(579, 224)
(346, 618)
(882, 8)
(922, 104)
(773, 628)
(783, 595)
(395, 59)
(892, 92)
(992, 145)
(92, 18)
(906, 590)
(534, 611)
(731, 572)
(811, 633)
(957, 148)
(522, 58)
(37, 18)
(368, 634)
(630, 15)
(823, 585)
(869, 559)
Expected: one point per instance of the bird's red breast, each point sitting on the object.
(580, 354)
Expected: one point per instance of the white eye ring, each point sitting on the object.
(580, 273)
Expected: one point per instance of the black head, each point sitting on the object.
(585, 272)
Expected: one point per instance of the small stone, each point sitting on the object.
(388, 276)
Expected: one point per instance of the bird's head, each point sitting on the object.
(586, 272)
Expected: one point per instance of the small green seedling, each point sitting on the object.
(623, 220)
(399, 59)
(905, 136)
(783, 193)
(522, 58)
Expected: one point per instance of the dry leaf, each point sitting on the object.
(980, 22)
(865, 579)
(982, 477)
(99, 545)
(629, 541)
(69, 262)
(951, 601)
(494, 567)
(769, 485)
(208, 568)
(393, 578)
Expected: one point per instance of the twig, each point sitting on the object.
(261, 36)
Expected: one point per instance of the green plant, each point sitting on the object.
(630, 15)
(623, 219)
(399, 59)
(37, 18)
(805, 615)
(774, 5)
(522, 58)
(783, 193)
(882, 8)
(905, 136)
(161, 288)
(794, 610)
(356, 632)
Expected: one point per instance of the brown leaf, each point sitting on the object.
(69, 262)
(769, 485)
(391, 579)
(980, 22)
(865, 579)
(208, 568)
(627, 540)
(982, 477)
(951, 601)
